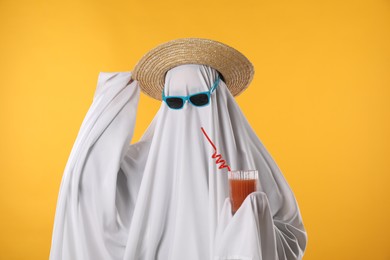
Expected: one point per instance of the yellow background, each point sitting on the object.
(319, 101)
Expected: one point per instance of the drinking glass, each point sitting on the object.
(241, 184)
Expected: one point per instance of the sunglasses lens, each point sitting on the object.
(174, 102)
(199, 100)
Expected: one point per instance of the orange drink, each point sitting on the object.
(241, 184)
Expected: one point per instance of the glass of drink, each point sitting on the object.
(241, 184)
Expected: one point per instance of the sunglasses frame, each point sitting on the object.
(187, 98)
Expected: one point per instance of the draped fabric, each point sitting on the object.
(165, 197)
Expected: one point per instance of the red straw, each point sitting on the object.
(215, 155)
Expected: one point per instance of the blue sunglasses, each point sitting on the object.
(198, 99)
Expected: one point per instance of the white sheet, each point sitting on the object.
(164, 197)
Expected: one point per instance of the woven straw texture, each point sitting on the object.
(236, 70)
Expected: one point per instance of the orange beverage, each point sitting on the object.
(241, 183)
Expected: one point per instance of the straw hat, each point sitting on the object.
(235, 69)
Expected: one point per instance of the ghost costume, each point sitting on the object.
(164, 197)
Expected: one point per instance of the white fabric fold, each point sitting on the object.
(164, 197)
(86, 223)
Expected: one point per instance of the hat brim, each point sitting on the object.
(236, 70)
